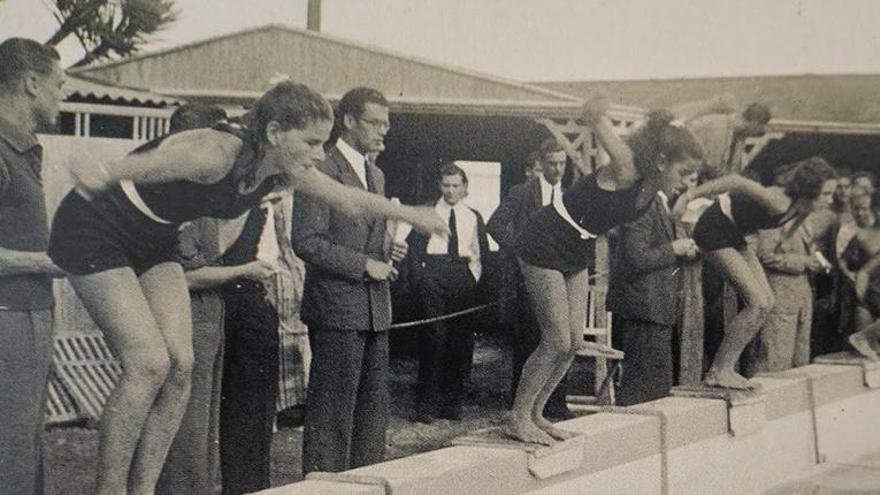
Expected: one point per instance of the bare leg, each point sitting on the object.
(116, 302)
(743, 270)
(165, 289)
(576, 289)
(549, 298)
(865, 340)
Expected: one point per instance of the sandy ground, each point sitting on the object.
(71, 452)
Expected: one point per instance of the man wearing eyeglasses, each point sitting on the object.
(346, 300)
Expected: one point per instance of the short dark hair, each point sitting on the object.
(195, 116)
(354, 101)
(757, 113)
(532, 160)
(549, 145)
(19, 55)
(844, 172)
(868, 175)
(450, 168)
(807, 177)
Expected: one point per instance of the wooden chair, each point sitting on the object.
(597, 336)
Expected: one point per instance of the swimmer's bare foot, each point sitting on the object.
(728, 379)
(525, 431)
(553, 431)
(862, 346)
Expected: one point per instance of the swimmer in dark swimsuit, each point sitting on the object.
(553, 244)
(720, 234)
(115, 236)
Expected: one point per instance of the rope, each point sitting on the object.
(473, 309)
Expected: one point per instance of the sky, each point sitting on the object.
(546, 40)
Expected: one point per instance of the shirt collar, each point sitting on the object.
(352, 155)
(20, 140)
(546, 186)
(443, 207)
(663, 199)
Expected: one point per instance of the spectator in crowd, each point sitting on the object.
(867, 286)
(446, 271)
(720, 234)
(551, 251)
(689, 353)
(643, 294)
(30, 92)
(250, 361)
(722, 134)
(116, 236)
(789, 255)
(504, 225)
(193, 462)
(841, 203)
(285, 294)
(346, 300)
(533, 167)
(865, 180)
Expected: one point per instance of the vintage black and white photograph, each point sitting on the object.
(451, 247)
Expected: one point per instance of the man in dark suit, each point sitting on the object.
(346, 301)
(522, 202)
(446, 272)
(643, 295)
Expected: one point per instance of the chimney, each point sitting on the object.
(314, 16)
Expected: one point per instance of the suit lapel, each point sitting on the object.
(537, 200)
(665, 218)
(346, 172)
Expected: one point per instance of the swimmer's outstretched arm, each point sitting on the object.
(773, 199)
(355, 202)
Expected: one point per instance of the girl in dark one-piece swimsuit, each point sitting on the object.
(551, 250)
(743, 207)
(115, 235)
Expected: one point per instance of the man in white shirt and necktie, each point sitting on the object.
(445, 271)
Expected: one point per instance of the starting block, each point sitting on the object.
(746, 409)
(870, 369)
(543, 461)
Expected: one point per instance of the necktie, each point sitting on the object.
(552, 195)
(371, 184)
(452, 250)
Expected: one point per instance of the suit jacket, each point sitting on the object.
(521, 202)
(784, 255)
(644, 275)
(418, 245)
(335, 248)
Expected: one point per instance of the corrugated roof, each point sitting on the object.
(247, 60)
(77, 87)
(808, 97)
